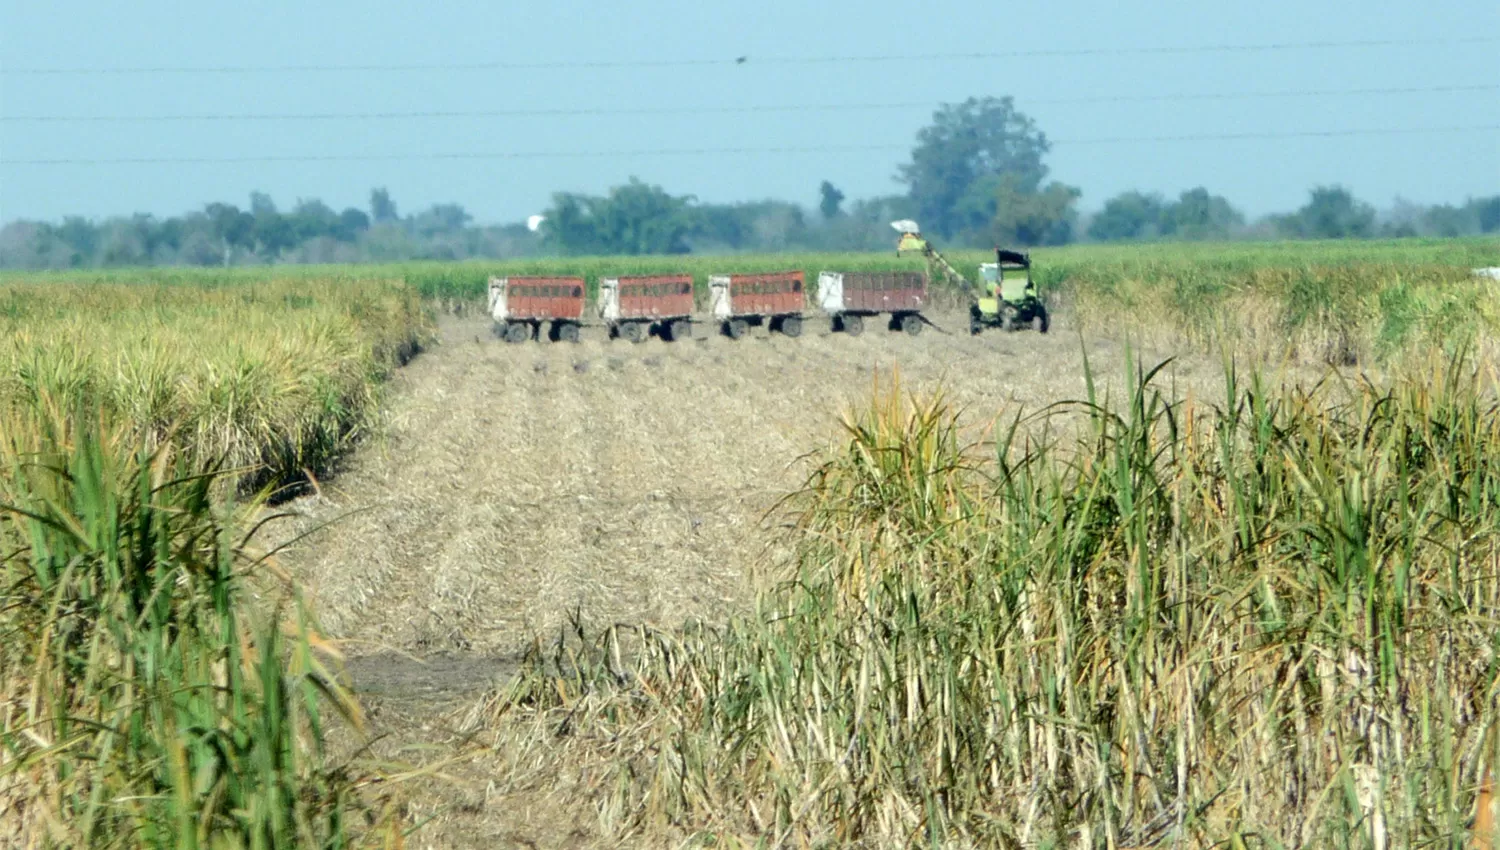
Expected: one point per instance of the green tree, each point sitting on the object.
(352, 222)
(830, 199)
(636, 218)
(1330, 213)
(441, 219)
(1449, 221)
(311, 219)
(271, 232)
(754, 225)
(954, 167)
(382, 208)
(81, 238)
(231, 227)
(1487, 212)
(1129, 215)
(1030, 218)
(1199, 215)
(127, 241)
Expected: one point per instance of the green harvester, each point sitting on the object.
(1006, 297)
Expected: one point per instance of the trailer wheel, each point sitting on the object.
(791, 326)
(911, 324)
(736, 328)
(853, 325)
(517, 332)
(633, 331)
(680, 330)
(566, 332)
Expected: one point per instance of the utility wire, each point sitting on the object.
(719, 110)
(668, 152)
(754, 60)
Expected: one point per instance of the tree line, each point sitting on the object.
(977, 177)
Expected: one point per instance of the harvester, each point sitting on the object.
(1006, 297)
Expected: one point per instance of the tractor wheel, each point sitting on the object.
(633, 332)
(566, 332)
(517, 332)
(791, 326)
(680, 330)
(911, 324)
(854, 325)
(1011, 321)
(1041, 321)
(976, 327)
(736, 328)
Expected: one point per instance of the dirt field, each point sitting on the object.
(514, 484)
(517, 483)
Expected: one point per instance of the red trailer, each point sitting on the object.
(520, 305)
(636, 307)
(742, 300)
(850, 296)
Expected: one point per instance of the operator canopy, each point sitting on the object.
(1012, 257)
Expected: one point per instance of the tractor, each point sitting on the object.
(1008, 299)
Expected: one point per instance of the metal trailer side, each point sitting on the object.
(521, 305)
(634, 307)
(850, 296)
(740, 301)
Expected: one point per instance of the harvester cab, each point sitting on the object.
(1008, 297)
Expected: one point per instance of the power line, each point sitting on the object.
(728, 151)
(1031, 53)
(719, 110)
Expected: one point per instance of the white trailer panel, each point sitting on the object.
(831, 292)
(720, 303)
(497, 306)
(609, 299)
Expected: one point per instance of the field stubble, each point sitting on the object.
(516, 487)
(515, 484)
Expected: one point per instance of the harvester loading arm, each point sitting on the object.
(912, 242)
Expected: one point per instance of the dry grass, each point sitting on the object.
(161, 685)
(146, 698)
(1267, 622)
(274, 377)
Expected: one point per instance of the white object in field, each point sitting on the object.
(534, 222)
(1492, 272)
(906, 225)
(609, 299)
(831, 292)
(498, 287)
(719, 297)
(989, 272)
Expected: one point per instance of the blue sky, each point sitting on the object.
(1259, 175)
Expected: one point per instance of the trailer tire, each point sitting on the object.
(791, 326)
(853, 325)
(566, 332)
(736, 328)
(911, 324)
(517, 332)
(634, 332)
(680, 330)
